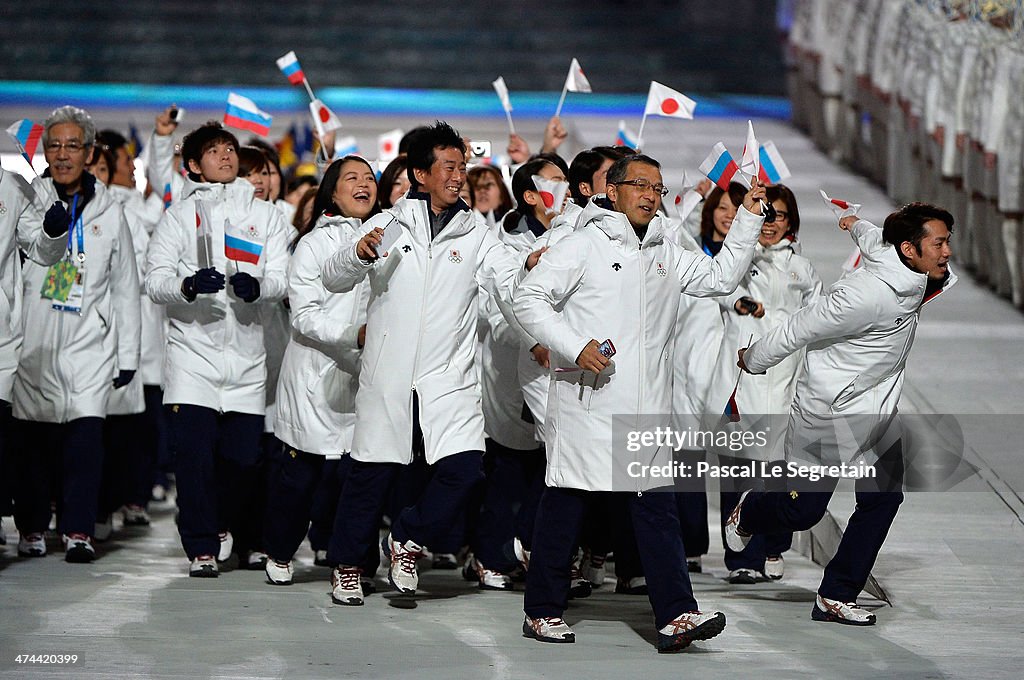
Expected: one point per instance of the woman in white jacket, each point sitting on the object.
(81, 340)
(779, 283)
(319, 375)
(216, 363)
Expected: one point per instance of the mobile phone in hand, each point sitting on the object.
(748, 304)
(607, 349)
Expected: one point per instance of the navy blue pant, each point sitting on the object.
(692, 507)
(216, 456)
(325, 501)
(760, 545)
(157, 436)
(658, 539)
(507, 506)
(6, 464)
(62, 461)
(848, 571)
(128, 463)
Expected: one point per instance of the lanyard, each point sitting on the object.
(76, 225)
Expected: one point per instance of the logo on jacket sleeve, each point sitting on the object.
(454, 256)
(661, 270)
(406, 248)
(616, 266)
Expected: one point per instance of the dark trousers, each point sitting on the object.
(216, 456)
(658, 539)
(848, 571)
(62, 461)
(507, 505)
(692, 507)
(760, 545)
(325, 501)
(247, 527)
(6, 463)
(157, 436)
(128, 463)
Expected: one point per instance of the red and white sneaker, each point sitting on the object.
(345, 586)
(203, 566)
(735, 538)
(841, 612)
(78, 548)
(402, 573)
(227, 545)
(32, 545)
(548, 629)
(687, 627)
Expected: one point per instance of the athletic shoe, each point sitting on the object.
(402, 558)
(104, 527)
(744, 576)
(444, 561)
(694, 565)
(32, 545)
(841, 612)
(278, 573)
(135, 516)
(734, 538)
(204, 566)
(345, 586)
(774, 567)
(548, 629)
(579, 587)
(320, 558)
(256, 561)
(687, 627)
(490, 579)
(78, 548)
(521, 553)
(631, 586)
(469, 568)
(159, 493)
(593, 568)
(227, 544)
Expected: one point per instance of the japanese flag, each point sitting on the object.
(502, 90)
(576, 81)
(552, 194)
(323, 118)
(387, 145)
(664, 101)
(840, 207)
(750, 164)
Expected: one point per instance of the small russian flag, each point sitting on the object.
(625, 137)
(773, 169)
(238, 247)
(732, 410)
(289, 65)
(167, 196)
(26, 136)
(720, 168)
(242, 113)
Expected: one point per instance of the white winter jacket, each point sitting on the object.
(21, 226)
(608, 284)
(421, 331)
(69, 360)
(215, 352)
(320, 373)
(858, 337)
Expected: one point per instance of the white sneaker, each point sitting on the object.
(774, 567)
(735, 540)
(256, 561)
(490, 579)
(135, 516)
(841, 612)
(278, 573)
(687, 627)
(227, 544)
(521, 553)
(345, 586)
(78, 548)
(203, 566)
(32, 545)
(320, 558)
(593, 568)
(579, 587)
(104, 527)
(743, 576)
(548, 629)
(402, 573)
(636, 585)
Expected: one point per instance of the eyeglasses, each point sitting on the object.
(643, 185)
(780, 216)
(72, 147)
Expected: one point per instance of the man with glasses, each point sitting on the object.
(617, 277)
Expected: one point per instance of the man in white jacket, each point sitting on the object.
(417, 383)
(617, 277)
(844, 412)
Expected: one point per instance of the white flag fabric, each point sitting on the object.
(387, 145)
(840, 207)
(502, 90)
(323, 118)
(552, 194)
(576, 81)
(664, 101)
(751, 162)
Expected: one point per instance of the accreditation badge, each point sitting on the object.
(65, 286)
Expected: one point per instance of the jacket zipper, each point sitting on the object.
(640, 349)
(423, 304)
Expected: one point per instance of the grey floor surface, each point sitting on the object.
(952, 564)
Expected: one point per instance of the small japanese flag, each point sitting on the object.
(664, 101)
(387, 145)
(576, 81)
(502, 90)
(323, 118)
(552, 194)
(750, 164)
(840, 207)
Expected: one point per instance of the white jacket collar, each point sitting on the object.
(886, 265)
(414, 213)
(617, 227)
(240, 191)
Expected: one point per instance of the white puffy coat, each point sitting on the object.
(320, 373)
(69, 360)
(421, 332)
(215, 353)
(21, 226)
(858, 337)
(783, 282)
(608, 284)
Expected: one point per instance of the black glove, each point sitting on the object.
(246, 287)
(123, 378)
(57, 220)
(206, 280)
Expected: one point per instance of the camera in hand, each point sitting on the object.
(748, 305)
(480, 149)
(607, 349)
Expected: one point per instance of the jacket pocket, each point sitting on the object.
(372, 360)
(846, 394)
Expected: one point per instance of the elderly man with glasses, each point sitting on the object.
(617, 278)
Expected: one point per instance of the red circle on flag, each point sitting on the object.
(679, 199)
(388, 147)
(669, 106)
(324, 116)
(548, 198)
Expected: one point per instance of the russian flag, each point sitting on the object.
(625, 137)
(26, 136)
(167, 196)
(720, 168)
(289, 65)
(732, 410)
(242, 113)
(239, 247)
(773, 169)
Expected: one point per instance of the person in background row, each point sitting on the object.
(82, 336)
(488, 194)
(394, 183)
(218, 237)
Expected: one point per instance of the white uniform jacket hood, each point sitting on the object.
(421, 331)
(215, 352)
(602, 282)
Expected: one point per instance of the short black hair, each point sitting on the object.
(422, 143)
(112, 139)
(707, 214)
(588, 162)
(907, 224)
(199, 140)
(617, 172)
(780, 192)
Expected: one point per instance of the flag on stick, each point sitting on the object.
(506, 103)
(839, 207)
(289, 65)
(323, 118)
(773, 168)
(664, 101)
(242, 113)
(240, 244)
(575, 81)
(720, 168)
(626, 137)
(750, 162)
(26, 136)
(387, 145)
